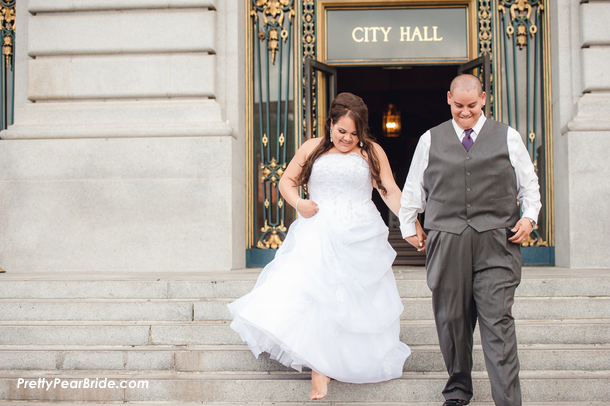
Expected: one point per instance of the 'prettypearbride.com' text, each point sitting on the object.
(85, 383)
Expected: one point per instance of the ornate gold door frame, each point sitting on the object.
(280, 34)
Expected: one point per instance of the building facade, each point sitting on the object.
(149, 135)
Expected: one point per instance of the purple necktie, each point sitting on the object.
(467, 141)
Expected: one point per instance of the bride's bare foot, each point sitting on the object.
(319, 385)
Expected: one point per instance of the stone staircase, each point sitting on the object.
(171, 332)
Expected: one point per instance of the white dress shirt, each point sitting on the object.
(413, 200)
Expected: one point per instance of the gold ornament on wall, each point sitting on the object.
(274, 12)
(273, 241)
(520, 15)
(274, 169)
(485, 36)
(7, 22)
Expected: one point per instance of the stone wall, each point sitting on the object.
(127, 151)
(581, 106)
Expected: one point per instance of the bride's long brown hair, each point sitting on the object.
(352, 106)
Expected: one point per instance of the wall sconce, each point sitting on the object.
(391, 122)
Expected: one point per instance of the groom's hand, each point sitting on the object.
(522, 230)
(418, 240)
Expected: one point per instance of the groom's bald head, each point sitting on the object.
(466, 83)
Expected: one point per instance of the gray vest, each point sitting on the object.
(476, 188)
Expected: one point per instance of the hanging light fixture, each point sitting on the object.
(391, 121)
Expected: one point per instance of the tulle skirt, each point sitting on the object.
(328, 301)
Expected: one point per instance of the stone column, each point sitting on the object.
(127, 152)
(581, 107)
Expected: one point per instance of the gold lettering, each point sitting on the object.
(435, 37)
(385, 33)
(374, 29)
(426, 38)
(404, 33)
(354, 34)
(416, 32)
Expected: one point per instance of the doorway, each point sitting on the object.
(419, 93)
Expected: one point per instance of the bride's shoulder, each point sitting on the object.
(309, 146)
(376, 147)
(312, 143)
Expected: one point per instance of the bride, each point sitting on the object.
(328, 301)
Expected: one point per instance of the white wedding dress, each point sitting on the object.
(328, 301)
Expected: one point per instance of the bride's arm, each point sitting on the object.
(392, 198)
(288, 182)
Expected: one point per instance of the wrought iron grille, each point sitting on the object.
(7, 85)
(273, 117)
(514, 33)
(523, 92)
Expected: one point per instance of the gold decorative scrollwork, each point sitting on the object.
(309, 27)
(274, 12)
(532, 136)
(485, 36)
(520, 15)
(272, 171)
(273, 241)
(309, 51)
(485, 39)
(7, 22)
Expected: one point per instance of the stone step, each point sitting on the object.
(105, 309)
(411, 282)
(420, 332)
(238, 358)
(537, 386)
(527, 308)
(318, 402)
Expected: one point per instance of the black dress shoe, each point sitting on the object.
(456, 402)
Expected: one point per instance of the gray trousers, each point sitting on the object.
(474, 276)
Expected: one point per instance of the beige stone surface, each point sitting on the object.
(40, 6)
(594, 27)
(115, 119)
(116, 159)
(136, 31)
(49, 78)
(561, 194)
(595, 75)
(139, 204)
(142, 224)
(580, 105)
(119, 77)
(125, 160)
(591, 113)
(589, 208)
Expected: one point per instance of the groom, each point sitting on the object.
(468, 174)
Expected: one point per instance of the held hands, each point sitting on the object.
(307, 208)
(522, 230)
(419, 239)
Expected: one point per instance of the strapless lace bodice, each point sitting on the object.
(341, 185)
